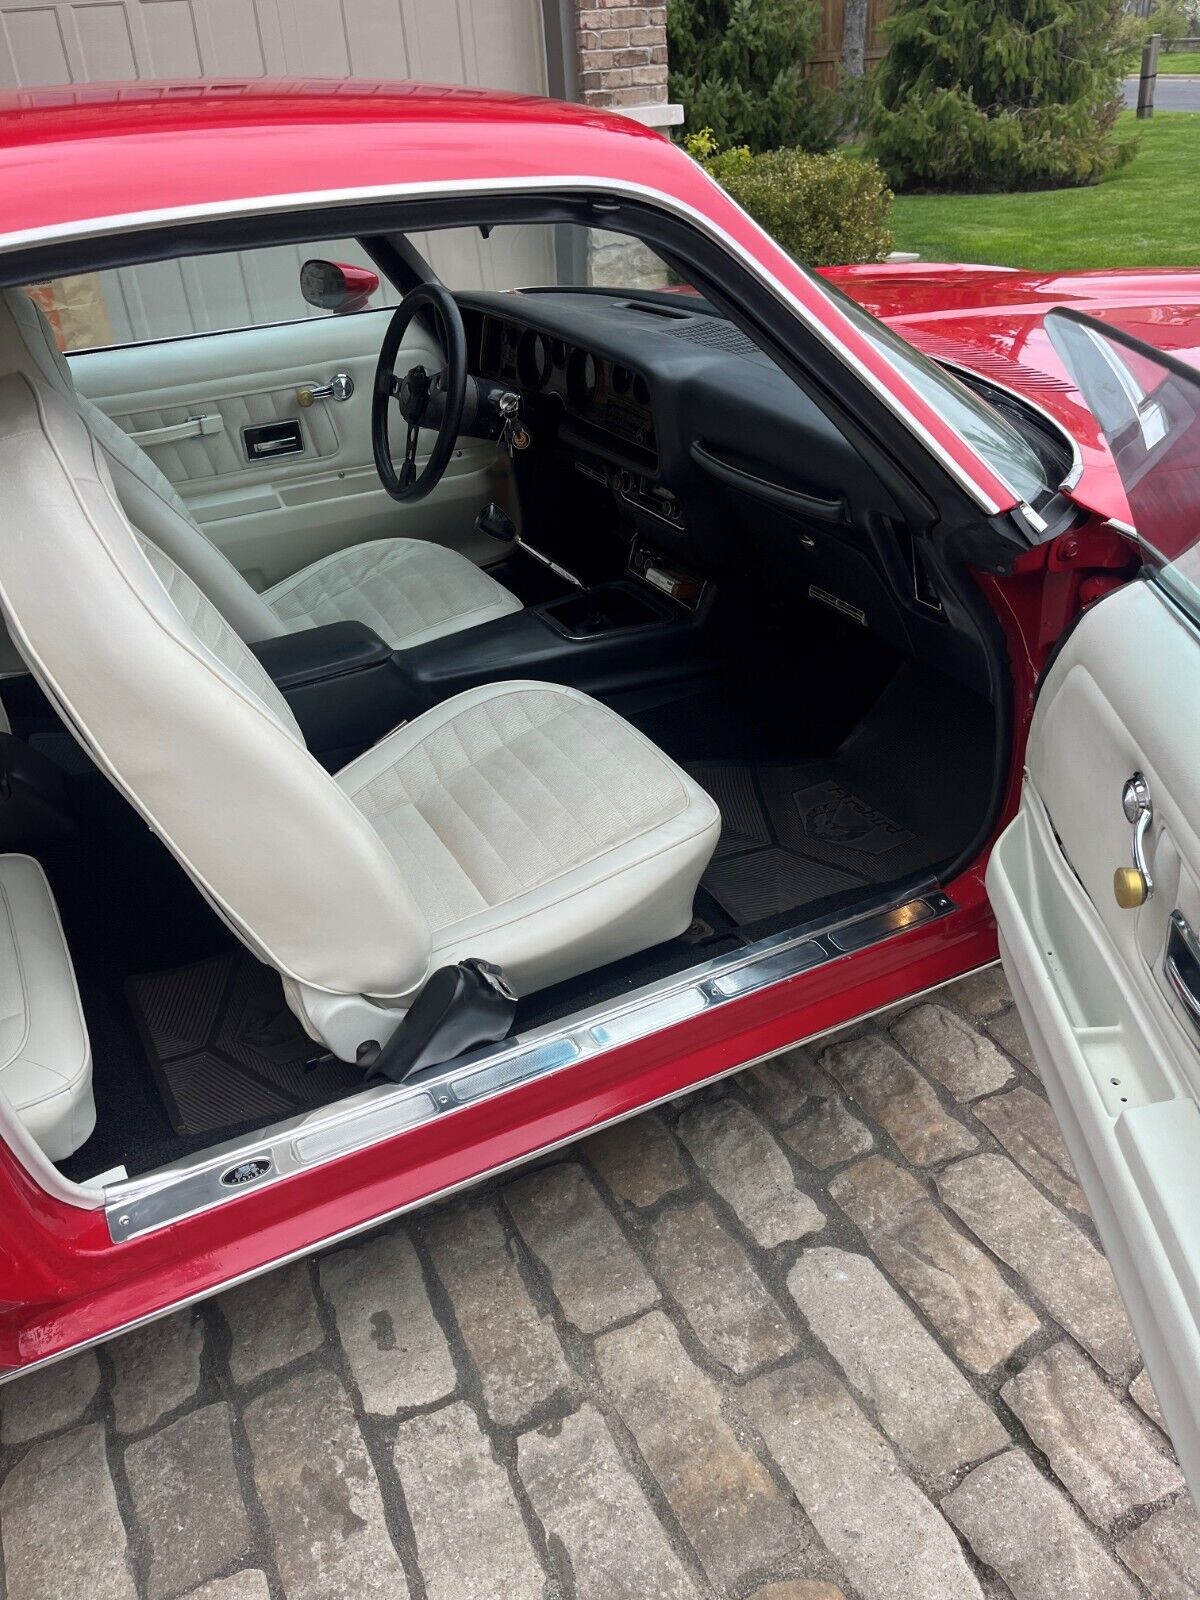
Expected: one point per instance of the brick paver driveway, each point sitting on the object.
(838, 1327)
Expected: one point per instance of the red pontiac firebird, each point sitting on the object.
(491, 643)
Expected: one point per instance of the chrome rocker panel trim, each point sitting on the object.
(330, 1241)
(136, 1206)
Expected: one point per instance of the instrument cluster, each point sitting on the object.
(591, 387)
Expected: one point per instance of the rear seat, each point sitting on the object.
(45, 1057)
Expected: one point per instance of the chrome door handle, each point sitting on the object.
(339, 387)
(1181, 963)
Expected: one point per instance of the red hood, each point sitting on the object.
(989, 319)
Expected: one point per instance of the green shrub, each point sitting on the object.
(826, 210)
(979, 95)
(737, 66)
(1174, 19)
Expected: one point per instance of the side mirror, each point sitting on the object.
(336, 286)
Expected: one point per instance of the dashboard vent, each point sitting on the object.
(714, 332)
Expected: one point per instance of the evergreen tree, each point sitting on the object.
(738, 68)
(999, 94)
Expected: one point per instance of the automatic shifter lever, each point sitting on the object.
(496, 522)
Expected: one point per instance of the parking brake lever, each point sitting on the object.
(460, 1007)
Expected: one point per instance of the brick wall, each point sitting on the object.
(623, 55)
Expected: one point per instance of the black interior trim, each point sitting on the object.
(832, 511)
(317, 654)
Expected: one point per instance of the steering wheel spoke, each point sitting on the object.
(414, 390)
(408, 472)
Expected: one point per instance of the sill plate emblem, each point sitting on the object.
(246, 1172)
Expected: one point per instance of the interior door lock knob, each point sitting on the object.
(1130, 888)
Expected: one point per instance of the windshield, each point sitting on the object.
(1009, 454)
(571, 256)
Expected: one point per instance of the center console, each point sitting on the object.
(346, 688)
(644, 628)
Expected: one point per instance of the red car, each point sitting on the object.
(493, 643)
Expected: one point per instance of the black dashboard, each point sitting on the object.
(704, 449)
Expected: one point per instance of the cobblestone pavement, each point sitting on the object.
(837, 1327)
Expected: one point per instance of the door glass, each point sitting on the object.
(1148, 407)
(190, 295)
(544, 255)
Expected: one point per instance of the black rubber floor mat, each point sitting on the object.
(744, 823)
(762, 883)
(795, 834)
(224, 1047)
(904, 793)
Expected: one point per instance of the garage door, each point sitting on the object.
(496, 43)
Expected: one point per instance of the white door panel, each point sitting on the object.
(1118, 1052)
(273, 517)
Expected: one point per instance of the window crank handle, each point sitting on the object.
(1133, 886)
(339, 387)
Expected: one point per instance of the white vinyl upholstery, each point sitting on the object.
(45, 1059)
(520, 822)
(534, 827)
(408, 590)
(151, 503)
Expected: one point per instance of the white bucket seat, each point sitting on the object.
(521, 822)
(409, 590)
(45, 1058)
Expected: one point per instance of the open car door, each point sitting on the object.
(1096, 883)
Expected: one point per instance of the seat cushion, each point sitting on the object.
(536, 828)
(408, 590)
(45, 1058)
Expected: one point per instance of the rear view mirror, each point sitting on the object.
(336, 286)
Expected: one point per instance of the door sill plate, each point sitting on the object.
(153, 1200)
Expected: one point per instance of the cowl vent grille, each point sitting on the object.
(988, 364)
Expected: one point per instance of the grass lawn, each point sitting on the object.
(1179, 61)
(1144, 215)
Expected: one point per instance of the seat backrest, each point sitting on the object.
(27, 344)
(176, 710)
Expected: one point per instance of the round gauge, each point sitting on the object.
(622, 379)
(533, 360)
(641, 390)
(581, 377)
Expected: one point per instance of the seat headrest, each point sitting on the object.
(27, 342)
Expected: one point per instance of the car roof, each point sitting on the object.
(84, 152)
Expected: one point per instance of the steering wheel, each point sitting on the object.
(423, 397)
